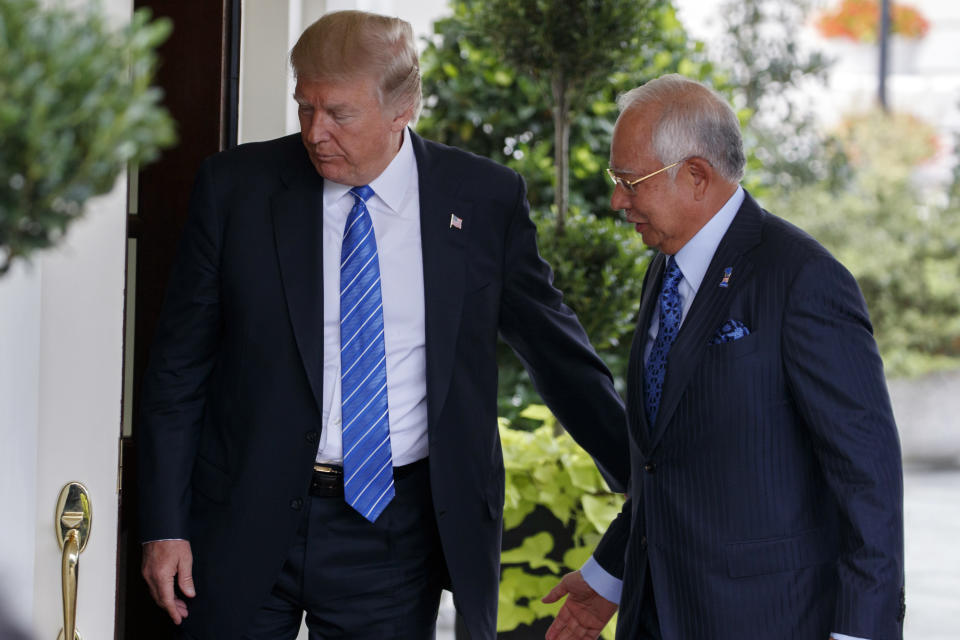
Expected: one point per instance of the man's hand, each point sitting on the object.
(584, 614)
(164, 561)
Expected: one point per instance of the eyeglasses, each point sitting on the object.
(630, 184)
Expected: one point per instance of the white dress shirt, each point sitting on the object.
(693, 259)
(395, 211)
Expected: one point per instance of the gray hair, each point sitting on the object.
(344, 45)
(694, 121)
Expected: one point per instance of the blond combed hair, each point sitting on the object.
(345, 45)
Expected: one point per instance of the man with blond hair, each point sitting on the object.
(766, 495)
(319, 429)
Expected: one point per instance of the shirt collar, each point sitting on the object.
(390, 187)
(695, 256)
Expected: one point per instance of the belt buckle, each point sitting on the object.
(325, 468)
(327, 481)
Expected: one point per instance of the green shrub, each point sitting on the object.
(76, 106)
(550, 472)
(902, 246)
(473, 100)
(599, 265)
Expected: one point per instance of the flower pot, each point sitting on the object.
(902, 54)
(853, 57)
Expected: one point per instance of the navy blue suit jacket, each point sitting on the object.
(766, 500)
(231, 411)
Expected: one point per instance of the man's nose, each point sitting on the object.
(620, 199)
(318, 127)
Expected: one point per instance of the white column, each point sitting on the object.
(265, 90)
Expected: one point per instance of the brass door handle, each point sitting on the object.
(73, 520)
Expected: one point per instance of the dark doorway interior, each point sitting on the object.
(199, 75)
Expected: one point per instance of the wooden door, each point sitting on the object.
(199, 76)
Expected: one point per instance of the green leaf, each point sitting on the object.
(537, 412)
(583, 473)
(519, 599)
(576, 557)
(601, 510)
(513, 518)
(610, 631)
(532, 551)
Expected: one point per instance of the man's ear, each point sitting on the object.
(402, 119)
(699, 174)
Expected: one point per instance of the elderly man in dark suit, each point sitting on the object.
(319, 427)
(766, 484)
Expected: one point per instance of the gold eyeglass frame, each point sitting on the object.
(630, 184)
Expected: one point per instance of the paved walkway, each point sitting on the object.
(932, 520)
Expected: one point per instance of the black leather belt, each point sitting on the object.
(327, 481)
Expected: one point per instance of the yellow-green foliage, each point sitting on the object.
(548, 469)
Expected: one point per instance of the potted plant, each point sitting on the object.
(76, 107)
(556, 508)
(857, 22)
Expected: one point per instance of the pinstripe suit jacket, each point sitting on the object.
(766, 500)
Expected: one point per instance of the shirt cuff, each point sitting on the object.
(160, 540)
(836, 636)
(602, 582)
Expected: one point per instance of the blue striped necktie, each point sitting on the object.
(367, 459)
(671, 314)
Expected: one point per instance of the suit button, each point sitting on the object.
(650, 467)
(296, 504)
(643, 542)
(311, 436)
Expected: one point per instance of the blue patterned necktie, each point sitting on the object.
(671, 313)
(367, 459)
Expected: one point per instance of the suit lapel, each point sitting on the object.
(297, 212)
(444, 269)
(709, 310)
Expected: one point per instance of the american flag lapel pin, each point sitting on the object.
(726, 277)
(455, 221)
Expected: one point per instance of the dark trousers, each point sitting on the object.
(356, 579)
